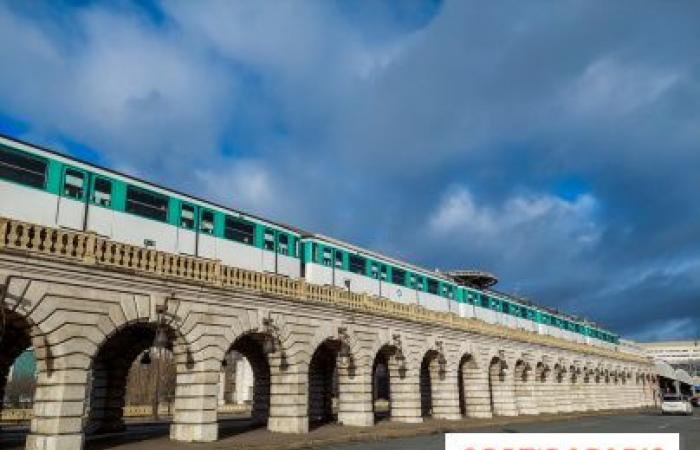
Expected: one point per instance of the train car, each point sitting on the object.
(44, 187)
(331, 262)
(40, 186)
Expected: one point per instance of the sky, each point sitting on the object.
(555, 143)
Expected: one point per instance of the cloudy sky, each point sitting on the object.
(554, 143)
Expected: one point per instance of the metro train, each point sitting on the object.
(42, 186)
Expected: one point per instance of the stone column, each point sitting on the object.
(562, 392)
(477, 397)
(445, 393)
(599, 393)
(546, 401)
(195, 409)
(574, 383)
(59, 401)
(289, 385)
(405, 391)
(355, 393)
(503, 390)
(525, 392)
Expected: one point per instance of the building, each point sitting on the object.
(683, 355)
(679, 354)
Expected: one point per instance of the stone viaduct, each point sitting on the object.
(89, 307)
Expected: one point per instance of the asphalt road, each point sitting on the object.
(688, 427)
(154, 436)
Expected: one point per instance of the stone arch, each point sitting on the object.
(115, 356)
(338, 374)
(427, 378)
(248, 355)
(396, 375)
(474, 388)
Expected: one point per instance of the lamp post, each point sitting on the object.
(159, 342)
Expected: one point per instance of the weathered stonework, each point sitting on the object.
(79, 315)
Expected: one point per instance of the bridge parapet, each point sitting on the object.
(92, 250)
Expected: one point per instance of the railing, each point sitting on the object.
(17, 415)
(92, 250)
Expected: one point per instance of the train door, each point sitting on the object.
(72, 203)
(186, 230)
(206, 245)
(101, 213)
(269, 253)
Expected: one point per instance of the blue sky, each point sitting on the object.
(554, 143)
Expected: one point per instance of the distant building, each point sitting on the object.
(679, 354)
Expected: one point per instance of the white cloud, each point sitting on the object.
(613, 88)
(569, 220)
(244, 184)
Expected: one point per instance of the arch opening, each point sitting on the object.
(429, 372)
(17, 364)
(381, 382)
(245, 379)
(132, 370)
(323, 384)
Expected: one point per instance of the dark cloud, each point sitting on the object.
(553, 143)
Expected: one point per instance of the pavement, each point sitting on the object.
(238, 433)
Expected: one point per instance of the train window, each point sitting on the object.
(374, 271)
(269, 240)
(73, 184)
(338, 259)
(383, 273)
(146, 204)
(327, 257)
(283, 244)
(357, 264)
(446, 291)
(207, 224)
(239, 230)
(432, 286)
(398, 276)
(23, 169)
(102, 194)
(187, 216)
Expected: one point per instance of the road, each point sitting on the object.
(688, 427)
(239, 434)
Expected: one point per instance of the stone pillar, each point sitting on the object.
(475, 385)
(598, 393)
(59, 402)
(445, 393)
(405, 392)
(525, 396)
(546, 401)
(355, 393)
(289, 386)
(562, 392)
(585, 386)
(503, 390)
(578, 398)
(195, 409)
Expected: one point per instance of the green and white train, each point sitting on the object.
(41, 186)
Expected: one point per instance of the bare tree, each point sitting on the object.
(19, 392)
